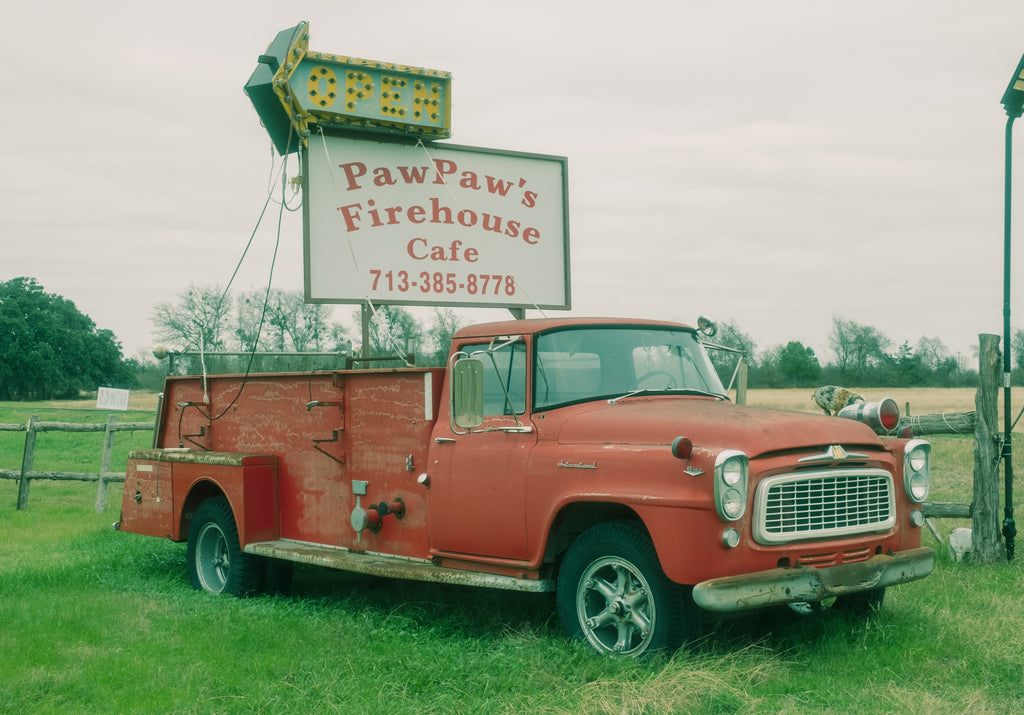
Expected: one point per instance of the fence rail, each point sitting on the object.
(26, 474)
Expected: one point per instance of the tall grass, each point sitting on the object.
(920, 400)
(97, 621)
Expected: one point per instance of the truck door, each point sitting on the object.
(478, 480)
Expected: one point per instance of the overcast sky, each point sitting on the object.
(773, 163)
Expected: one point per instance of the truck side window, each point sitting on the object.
(504, 378)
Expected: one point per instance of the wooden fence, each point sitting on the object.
(983, 511)
(26, 474)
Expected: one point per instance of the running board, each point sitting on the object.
(391, 566)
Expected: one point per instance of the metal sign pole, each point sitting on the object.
(1013, 102)
(1009, 527)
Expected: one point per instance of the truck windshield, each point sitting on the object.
(591, 363)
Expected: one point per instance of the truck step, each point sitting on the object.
(390, 566)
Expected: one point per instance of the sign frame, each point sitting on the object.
(371, 202)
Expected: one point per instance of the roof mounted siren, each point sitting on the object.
(882, 416)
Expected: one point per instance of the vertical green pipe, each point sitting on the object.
(1009, 527)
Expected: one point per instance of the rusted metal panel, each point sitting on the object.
(391, 417)
(327, 431)
(185, 456)
(158, 483)
(147, 504)
(759, 431)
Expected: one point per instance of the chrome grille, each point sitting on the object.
(792, 507)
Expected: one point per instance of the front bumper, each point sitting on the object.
(807, 584)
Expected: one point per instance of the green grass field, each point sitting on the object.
(97, 621)
(70, 451)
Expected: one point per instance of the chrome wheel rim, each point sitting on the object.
(615, 608)
(213, 561)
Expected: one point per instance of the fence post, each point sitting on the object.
(986, 546)
(105, 462)
(27, 458)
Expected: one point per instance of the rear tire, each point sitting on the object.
(613, 594)
(216, 562)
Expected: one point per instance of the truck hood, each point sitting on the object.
(710, 424)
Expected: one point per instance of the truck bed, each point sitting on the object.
(334, 434)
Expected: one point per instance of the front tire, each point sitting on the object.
(613, 594)
(216, 562)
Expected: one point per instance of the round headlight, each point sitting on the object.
(731, 468)
(732, 472)
(732, 503)
(916, 477)
(918, 460)
(918, 487)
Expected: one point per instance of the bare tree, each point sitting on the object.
(439, 336)
(285, 322)
(932, 352)
(857, 347)
(307, 324)
(393, 331)
(730, 336)
(248, 320)
(197, 320)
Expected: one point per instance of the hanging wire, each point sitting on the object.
(223, 296)
(266, 301)
(392, 345)
(396, 349)
(458, 205)
(1019, 414)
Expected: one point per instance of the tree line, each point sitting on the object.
(206, 319)
(50, 350)
(862, 356)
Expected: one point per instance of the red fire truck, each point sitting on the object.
(599, 458)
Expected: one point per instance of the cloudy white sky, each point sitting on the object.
(774, 163)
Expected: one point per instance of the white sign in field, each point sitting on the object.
(109, 398)
(434, 224)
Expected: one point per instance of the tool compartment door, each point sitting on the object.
(147, 506)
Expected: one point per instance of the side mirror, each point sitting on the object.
(467, 408)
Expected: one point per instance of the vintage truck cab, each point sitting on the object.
(599, 458)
